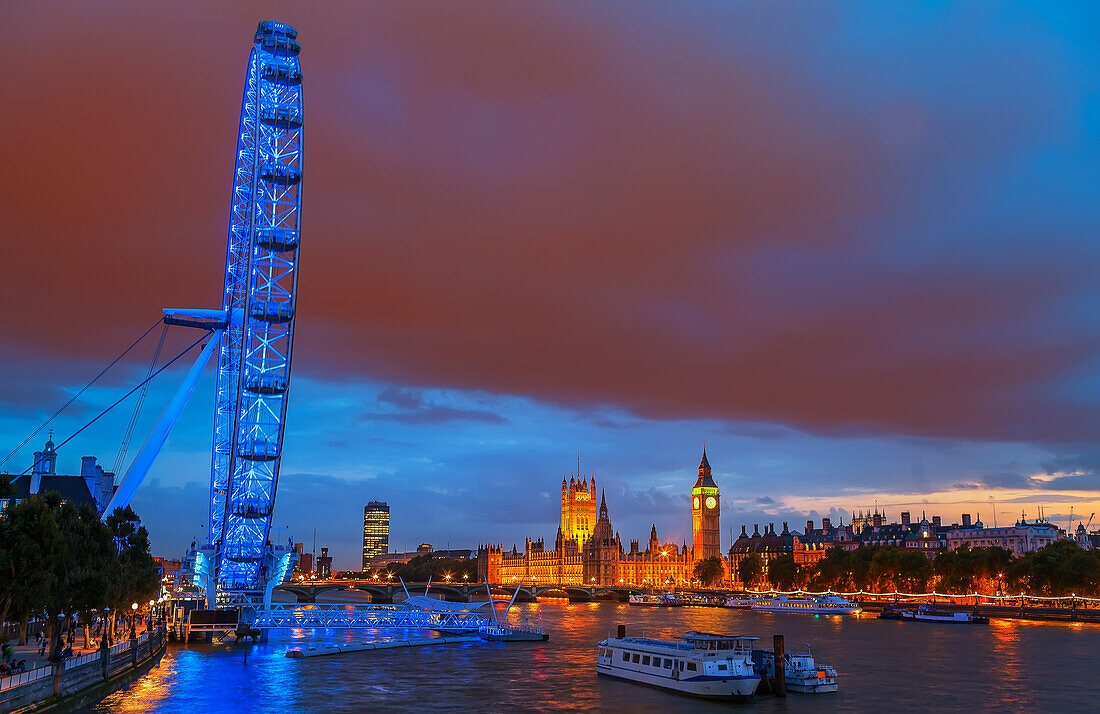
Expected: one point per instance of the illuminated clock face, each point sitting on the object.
(695, 502)
(711, 502)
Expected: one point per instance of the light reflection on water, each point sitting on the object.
(1008, 665)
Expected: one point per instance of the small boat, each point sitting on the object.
(926, 613)
(739, 603)
(800, 672)
(892, 613)
(701, 664)
(828, 605)
(505, 633)
(652, 600)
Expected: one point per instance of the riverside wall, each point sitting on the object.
(81, 681)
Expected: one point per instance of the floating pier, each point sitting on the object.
(382, 645)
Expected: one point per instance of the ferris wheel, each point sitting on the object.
(253, 334)
(259, 302)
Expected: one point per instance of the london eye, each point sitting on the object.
(259, 301)
(253, 333)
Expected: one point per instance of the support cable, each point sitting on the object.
(76, 396)
(127, 394)
(129, 433)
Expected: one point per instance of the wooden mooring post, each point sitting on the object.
(622, 632)
(780, 666)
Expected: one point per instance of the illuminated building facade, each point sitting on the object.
(578, 508)
(705, 509)
(376, 531)
(588, 550)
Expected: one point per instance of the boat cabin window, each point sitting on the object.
(645, 660)
(691, 666)
(722, 667)
(668, 664)
(626, 656)
(635, 659)
(681, 666)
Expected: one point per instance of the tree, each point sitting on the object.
(833, 571)
(30, 545)
(784, 573)
(132, 574)
(750, 570)
(709, 571)
(80, 568)
(913, 571)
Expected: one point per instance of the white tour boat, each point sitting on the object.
(925, 613)
(828, 605)
(739, 603)
(801, 673)
(653, 600)
(699, 663)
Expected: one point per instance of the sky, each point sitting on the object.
(849, 247)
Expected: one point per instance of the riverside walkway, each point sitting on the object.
(82, 679)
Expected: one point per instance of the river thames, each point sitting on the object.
(1008, 665)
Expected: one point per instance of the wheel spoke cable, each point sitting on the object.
(76, 396)
(121, 399)
(129, 433)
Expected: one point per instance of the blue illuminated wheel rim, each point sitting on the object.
(260, 297)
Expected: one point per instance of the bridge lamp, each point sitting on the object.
(134, 606)
(465, 576)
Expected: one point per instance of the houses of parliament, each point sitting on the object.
(588, 550)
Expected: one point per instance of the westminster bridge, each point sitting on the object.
(384, 592)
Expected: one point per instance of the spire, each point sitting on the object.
(704, 465)
(603, 505)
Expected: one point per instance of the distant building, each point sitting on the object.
(1087, 541)
(93, 486)
(376, 531)
(578, 508)
(588, 551)
(1022, 537)
(768, 545)
(705, 508)
(324, 564)
(171, 573)
(381, 561)
(304, 564)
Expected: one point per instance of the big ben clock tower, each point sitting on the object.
(705, 506)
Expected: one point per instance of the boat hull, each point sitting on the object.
(810, 610)
(517, 637)
(811, 686)
(980, 620)
(741, 687)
